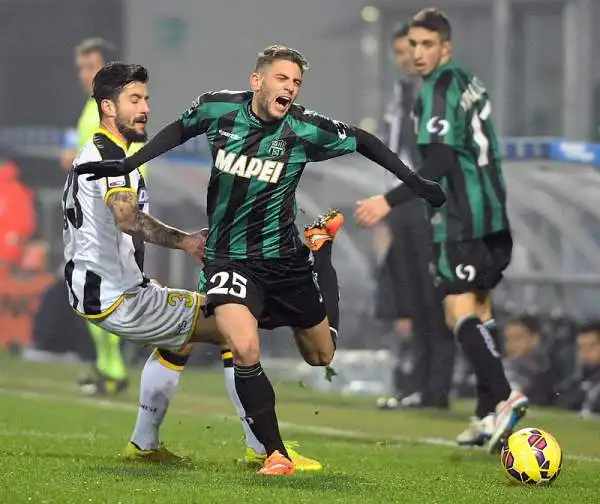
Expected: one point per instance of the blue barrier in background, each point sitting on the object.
(526, 148)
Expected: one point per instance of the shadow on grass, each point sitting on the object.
(235, 474)
(320, 483)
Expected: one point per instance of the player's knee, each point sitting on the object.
(246, 351)
(320, 357)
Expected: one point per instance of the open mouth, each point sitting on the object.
(282, 102)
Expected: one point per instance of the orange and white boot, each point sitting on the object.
(277, 465)
(323, 229)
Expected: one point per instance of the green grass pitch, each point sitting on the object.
(57, 447)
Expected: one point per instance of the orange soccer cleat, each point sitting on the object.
(323, 229)
(277, 465)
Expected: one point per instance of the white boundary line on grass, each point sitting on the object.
(313, 429)
(52, 435)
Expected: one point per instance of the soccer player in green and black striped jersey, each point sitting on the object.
(473, 242)
(257, 270)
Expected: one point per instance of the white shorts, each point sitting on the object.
(155, 316)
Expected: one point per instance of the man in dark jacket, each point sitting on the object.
(406, 291)
(527, 364)
(582, 391)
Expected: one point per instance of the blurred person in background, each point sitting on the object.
(406, 291)
(17, 216)
(471, 232)
(581, 392)
(90, 56)
(109, 376)
(527, 364)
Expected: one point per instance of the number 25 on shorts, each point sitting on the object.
(233, 284)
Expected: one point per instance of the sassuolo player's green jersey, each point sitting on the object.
(256, 169)
(454, 109)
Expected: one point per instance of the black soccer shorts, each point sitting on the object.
(278, 292)
(475, 265)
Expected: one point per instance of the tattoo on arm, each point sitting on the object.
(124, 206)
(154, 231)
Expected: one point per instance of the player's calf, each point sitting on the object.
(316, 344)
(254, 390)
(158, 383)
(480, 349)
(320, 237)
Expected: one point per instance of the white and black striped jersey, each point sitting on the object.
(102, 263)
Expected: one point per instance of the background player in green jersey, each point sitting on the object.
(257, 270)
(472, 236)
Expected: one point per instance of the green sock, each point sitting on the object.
(102, 349)
(109, 360)
(116, 364)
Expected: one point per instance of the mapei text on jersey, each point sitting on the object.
(244, 166)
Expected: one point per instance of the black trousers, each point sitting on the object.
(407, 291)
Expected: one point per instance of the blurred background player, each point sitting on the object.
(109, 376)
(17, 215)
(581, 392)
(473, 241)
(406, 292)
(527, 361)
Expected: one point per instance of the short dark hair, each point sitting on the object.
(400, 31)
(433, 19)
(280, 52)
(591, 326)
(529, 322)
(112, 78)
(97, 44)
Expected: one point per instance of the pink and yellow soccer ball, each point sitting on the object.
(531, 456)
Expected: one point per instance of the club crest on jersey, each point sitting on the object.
(276, 148)
(248, 167)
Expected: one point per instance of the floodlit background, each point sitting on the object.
(537, 58)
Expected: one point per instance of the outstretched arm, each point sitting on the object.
(414, 184)
(124, 207)
(438, 160)
(327, 139)
(168, 138)
(193, 122)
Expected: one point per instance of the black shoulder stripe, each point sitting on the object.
(225, 96)
(107, 148)
(440, 89)
(316, 119)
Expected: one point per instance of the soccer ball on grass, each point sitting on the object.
(531, 456)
